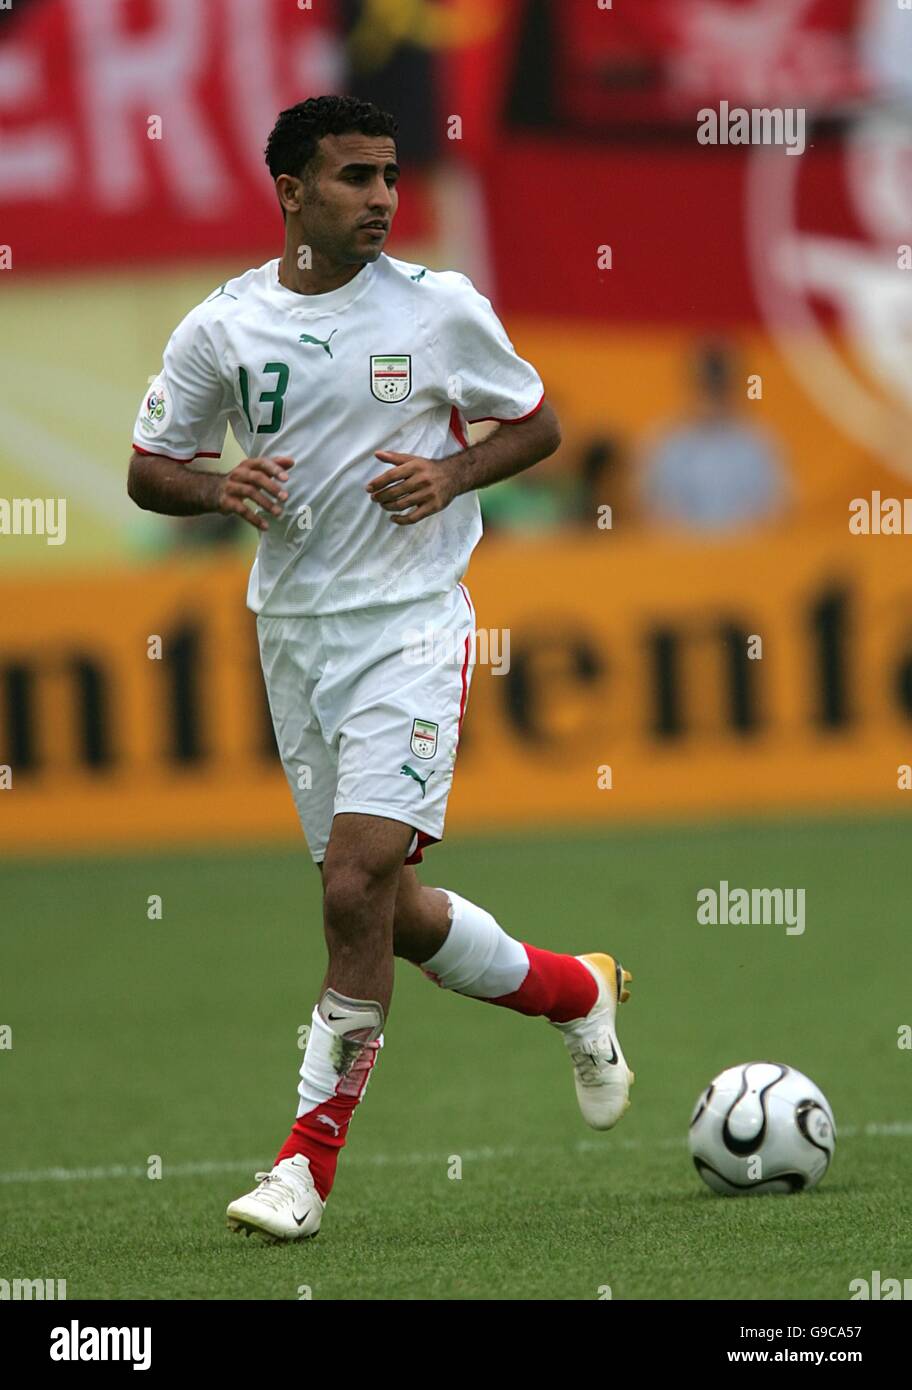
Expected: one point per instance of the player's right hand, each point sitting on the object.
(259, 481)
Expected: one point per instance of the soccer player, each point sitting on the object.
(358, 372)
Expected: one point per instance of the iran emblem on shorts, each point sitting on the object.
(424, 738)
(391, 377)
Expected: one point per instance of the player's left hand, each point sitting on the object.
(422, 484)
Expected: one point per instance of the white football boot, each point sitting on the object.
(603, 1079)
(285, 1206)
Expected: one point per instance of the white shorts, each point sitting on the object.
(367, 708)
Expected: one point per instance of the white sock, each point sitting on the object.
(477, 958)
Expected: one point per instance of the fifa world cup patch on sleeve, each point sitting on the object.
(155, 408)
(391, 377)
(424, 738)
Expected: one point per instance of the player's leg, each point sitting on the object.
(287, 1204)
(421, 919)
(467, 951)
(363, 860)
(360, 879)
(360, 885)
(476, 957)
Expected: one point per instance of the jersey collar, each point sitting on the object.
(314, 305)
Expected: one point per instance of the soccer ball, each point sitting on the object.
(762, 1127)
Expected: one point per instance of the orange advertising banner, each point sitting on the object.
(615, 680)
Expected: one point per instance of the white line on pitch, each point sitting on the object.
(895, 1130)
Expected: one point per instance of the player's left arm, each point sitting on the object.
(427, 486)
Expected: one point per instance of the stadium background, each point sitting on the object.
(627, 644)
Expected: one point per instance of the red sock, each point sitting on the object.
(320, 1141)
(558, 987)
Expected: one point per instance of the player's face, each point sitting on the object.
(350, 204)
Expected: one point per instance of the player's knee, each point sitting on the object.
(356, 898)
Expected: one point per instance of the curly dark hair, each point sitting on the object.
(292, 142)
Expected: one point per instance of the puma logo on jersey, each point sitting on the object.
(325, 1120)
(420, 276)
(319, 342)
(406, 771)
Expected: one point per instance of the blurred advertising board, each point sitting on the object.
(615, 680)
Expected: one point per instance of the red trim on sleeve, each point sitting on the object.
(152, 453)
(519, 419)
(456, 427)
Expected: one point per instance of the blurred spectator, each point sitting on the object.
(715, 471)
(600, 481)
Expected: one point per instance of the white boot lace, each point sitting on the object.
(277, 1189)
(590, 1058)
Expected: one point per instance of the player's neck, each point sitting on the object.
(319, 279)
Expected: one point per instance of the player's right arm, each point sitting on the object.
(183, 416)
(160, 484)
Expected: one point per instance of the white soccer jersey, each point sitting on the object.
(397, 359)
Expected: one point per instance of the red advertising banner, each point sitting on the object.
(689, 232)
(133, 131)
(652, 61)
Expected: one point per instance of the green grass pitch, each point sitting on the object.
(178, 1038)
